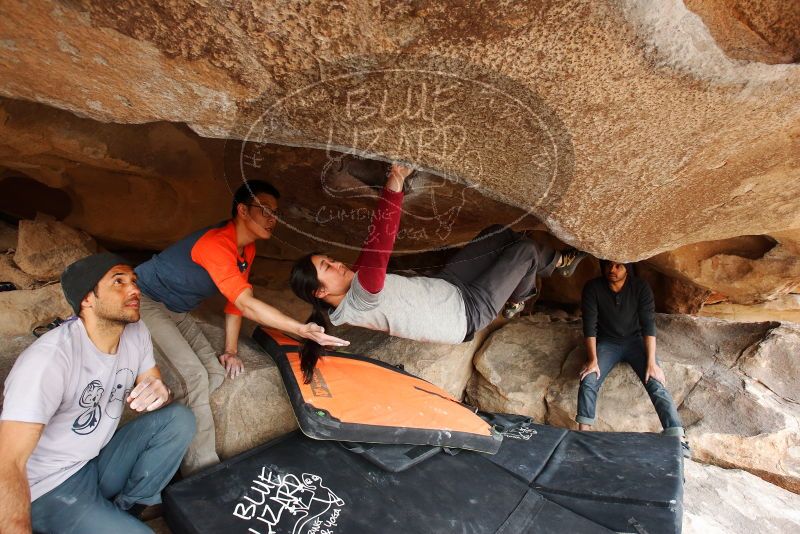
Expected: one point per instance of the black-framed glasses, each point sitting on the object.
(268, 213)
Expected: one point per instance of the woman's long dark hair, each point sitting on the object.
(304, 283)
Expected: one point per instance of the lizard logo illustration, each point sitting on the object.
(524, 432)
(86, 422)
(286, 503)
(123, 383)
(457, 126)
(346, 176)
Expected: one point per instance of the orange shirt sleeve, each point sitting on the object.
(217, 255)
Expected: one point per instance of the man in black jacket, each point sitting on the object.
(619, 325)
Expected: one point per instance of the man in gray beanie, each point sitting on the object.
(64, 467)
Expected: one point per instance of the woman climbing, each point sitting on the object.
(495, 271)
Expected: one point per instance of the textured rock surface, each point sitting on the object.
(9, 272)
(764, 30)
(673, 295)
(735, 384)
(726, 162)
(144, 185)
(747, 269)
(519, 362)
(774, 362)
(23, 310)
(253, 408)
(785, 308)
(8, 237)
(727, 501)
(46, 247)
(149, 185)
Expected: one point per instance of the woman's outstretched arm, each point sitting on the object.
(377, 248)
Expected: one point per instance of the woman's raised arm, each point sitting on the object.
(377, 249)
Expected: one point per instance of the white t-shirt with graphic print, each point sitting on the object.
(78, 392)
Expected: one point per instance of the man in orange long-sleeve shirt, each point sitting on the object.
(210, 261)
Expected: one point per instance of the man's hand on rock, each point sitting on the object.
(150, 394)
(232, 363)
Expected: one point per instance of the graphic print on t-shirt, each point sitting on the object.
(123, 383)
(86, 422)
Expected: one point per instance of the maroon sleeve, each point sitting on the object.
(377, 248)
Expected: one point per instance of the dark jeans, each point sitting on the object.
(632, 351)
(133, 467)
(498, 265)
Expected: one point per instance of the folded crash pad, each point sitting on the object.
(542, 480)
(625, 481)
(360, 399)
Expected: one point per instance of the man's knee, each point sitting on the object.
(653, 386)
(590, 382)
(196, 378)
(215, 380)
(180, 422)
(182, 418)
(524, 251)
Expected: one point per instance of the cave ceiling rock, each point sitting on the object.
(641, 132)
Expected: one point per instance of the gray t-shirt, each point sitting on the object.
(412, 307)
(64, 382)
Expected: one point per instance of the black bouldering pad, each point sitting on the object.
(302, 486)
(554, 481)
(628, 482)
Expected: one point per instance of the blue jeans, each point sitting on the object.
(632, 351)
(132, 468)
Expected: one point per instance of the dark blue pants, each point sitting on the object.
(632, 351)
(132, 468)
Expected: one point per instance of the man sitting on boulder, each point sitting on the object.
(619, 325)
(210, 261)
(63, 468)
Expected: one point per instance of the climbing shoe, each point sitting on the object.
(512, 308)
(570, 258)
